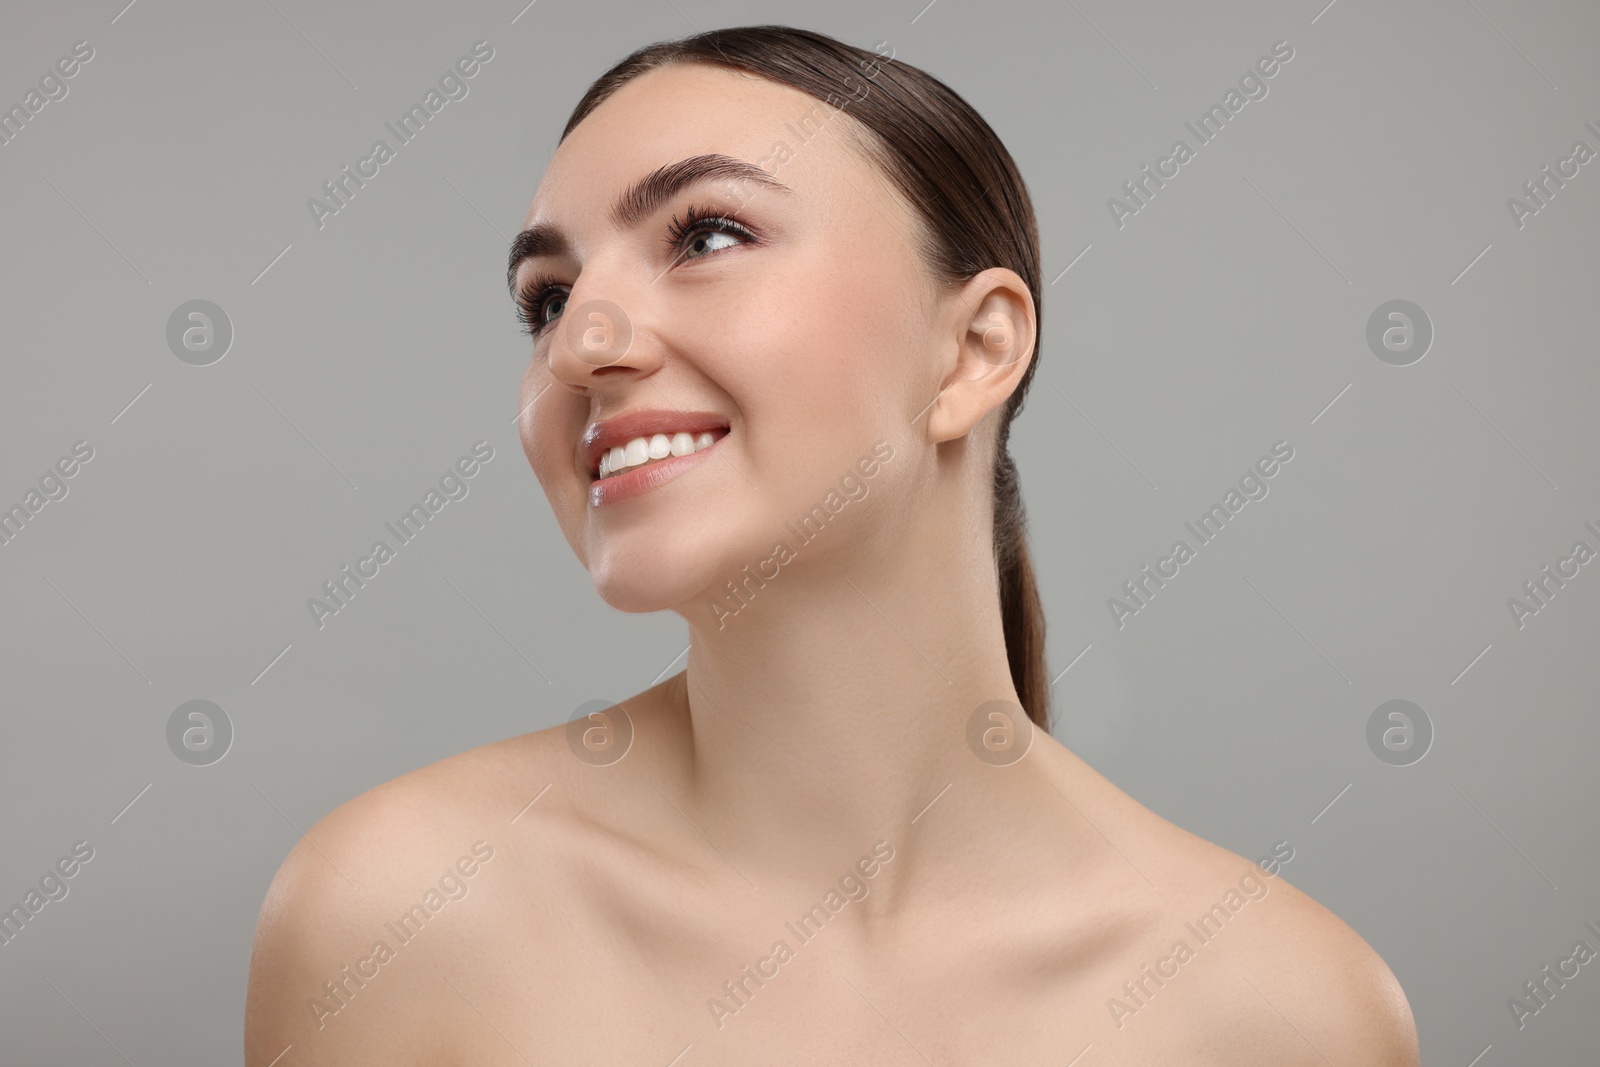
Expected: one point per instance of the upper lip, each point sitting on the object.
(600, 437)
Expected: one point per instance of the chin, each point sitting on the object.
(685, 573)
(677, 558)
(627, 593)
(651, 581)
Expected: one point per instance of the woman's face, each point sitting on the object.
(796, 345)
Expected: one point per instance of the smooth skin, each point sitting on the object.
(827, 717)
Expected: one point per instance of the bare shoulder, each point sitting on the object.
(1340, 984)
(1237, 966)
(1295, 982)
(372, 907)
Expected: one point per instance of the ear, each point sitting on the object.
(994, 325)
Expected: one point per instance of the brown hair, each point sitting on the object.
(959, 179)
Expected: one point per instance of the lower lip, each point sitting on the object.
(629, 484)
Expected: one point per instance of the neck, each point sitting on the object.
(832, 709)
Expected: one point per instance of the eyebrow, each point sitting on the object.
(639, 200)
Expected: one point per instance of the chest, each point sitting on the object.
(788, 1001)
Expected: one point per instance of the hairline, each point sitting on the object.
(862, 138)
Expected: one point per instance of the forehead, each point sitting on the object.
(687, 109)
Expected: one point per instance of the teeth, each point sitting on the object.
(642, 450)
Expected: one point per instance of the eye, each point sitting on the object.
(702, 233)
(549, 308)
(539, 304)
(708, 240)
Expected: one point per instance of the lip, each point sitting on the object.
(600, 437)
(632, 483)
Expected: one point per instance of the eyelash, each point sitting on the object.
(530, 301)
(531, 297)
(697, 219)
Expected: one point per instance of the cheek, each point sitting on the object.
(549, 421)
(825, 339)
(538, 404)
(791, 371)
(536, 378)
(872, 308)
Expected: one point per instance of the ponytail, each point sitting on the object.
(1021, 611)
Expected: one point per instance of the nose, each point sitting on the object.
(597, 336)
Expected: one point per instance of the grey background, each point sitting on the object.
(1228, 314)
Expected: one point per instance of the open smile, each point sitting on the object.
(639, 451)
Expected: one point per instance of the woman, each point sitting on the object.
(783, 294)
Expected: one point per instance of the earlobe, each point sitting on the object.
(996, 325)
